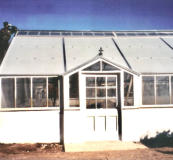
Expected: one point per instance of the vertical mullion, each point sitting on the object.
(47, 90)
(155, 89)
(15, 92)
(31, 85)
(170, 90)
(106, 90)
(95, 91)
(0, 93)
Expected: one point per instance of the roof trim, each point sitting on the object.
(101, 58)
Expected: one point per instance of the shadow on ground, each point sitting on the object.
(162, 139)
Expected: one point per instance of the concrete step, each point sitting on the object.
(102, 146)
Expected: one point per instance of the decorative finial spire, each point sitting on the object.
(101, 51)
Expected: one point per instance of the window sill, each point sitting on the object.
(30, 109)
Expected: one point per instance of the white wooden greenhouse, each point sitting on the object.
(79, 86)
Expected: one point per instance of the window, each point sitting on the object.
(156, 89)
(74, 90)
(19, 94)
(53, 92)
(101, 92)
(148, 96)
(128, 90)
(162, 90)
(39, 92)
(23, 89)
(7, 97)
(101, 66)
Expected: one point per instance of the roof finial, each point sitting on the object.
(101, 51)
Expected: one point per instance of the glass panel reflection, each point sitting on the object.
(111, 81)
(101, 92)
(39, 92)
(23, 92)
(100, 81)
(7, 97)
(148, 90)
(90, 81)
(162, 90)
(94, 67)
(101, 103)
(108, 67)
(91, 103)
(111, 103)
(111, 92)
(90, 92)
(53, 92)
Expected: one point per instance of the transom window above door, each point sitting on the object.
(101, 92)
(101, 66)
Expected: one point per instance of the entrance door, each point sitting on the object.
(101, 107)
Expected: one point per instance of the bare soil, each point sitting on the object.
(54, 151)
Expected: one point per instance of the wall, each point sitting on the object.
(138, 123)
(29, 126)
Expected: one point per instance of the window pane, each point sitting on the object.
(74, 90)
(90, 92)
(39, 92)
(101, 103)
(172, 90)
(111, 81)
(108, 67)
(23, 87)
(94, 67)
(7, 100)
(111, 92)
(90, 81)
(101, 92)
(53, 92)
(111, 103)
(100, 81)
(162, 90)
(91, 103)
(128, 89)
(148, 90)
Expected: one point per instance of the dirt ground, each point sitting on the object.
(55, 152)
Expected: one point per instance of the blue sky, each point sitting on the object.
(88, 14)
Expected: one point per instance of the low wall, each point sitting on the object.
(138, 123)
(29, 126)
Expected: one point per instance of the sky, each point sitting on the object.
(88, 14)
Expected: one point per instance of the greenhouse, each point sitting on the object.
(79, 86)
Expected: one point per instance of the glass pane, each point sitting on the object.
(128, 89)
(101, 103)
(111, 103)
(112, 92)
(108, 67)
(74, 90)
(53, 92)
(148, 90)
(90, 92)
(91, 103)
(162, 90)
(100, 81)
(172, 90)
(94, 67)
(101, 92)
(90, 81)
(111, 81)
(39, 92)
(23, 89)
(7, 97)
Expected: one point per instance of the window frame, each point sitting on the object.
(31, 93)
(155, 91)
(106, 87)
